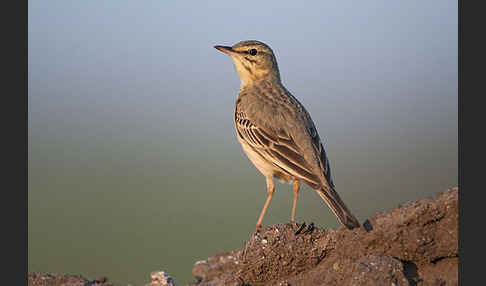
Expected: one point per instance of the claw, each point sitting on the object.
(310, 228)
(300, 228)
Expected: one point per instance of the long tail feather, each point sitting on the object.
(331, 197)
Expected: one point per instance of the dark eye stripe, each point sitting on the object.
(248, 52)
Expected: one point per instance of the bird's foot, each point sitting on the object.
(303, 228)
(310, 228)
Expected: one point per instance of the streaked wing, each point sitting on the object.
(276, 147)
(319, 149)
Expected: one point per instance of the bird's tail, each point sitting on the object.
(331, 197)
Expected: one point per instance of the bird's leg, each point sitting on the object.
(296, 193)
(270, 190)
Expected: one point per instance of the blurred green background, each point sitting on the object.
(133, 161)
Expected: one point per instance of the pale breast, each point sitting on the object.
(268, 169)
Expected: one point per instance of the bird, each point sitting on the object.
(277, 133)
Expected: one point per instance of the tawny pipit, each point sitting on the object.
(277, 133)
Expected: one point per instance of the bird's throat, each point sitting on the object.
(249, 75)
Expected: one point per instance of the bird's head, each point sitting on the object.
(253, 60)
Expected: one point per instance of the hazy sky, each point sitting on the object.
(130, 121)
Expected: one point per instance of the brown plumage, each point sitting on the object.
(277, 133)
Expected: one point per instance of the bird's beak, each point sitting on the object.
(225, 49)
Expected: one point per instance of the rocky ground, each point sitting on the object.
(48, 279)
(413, 244)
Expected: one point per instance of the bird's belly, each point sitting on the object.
(264, 166)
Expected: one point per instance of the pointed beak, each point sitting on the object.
(225, 49)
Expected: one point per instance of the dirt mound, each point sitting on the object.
(55, 279)
(413, 244)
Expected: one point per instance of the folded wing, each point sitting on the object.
(278, 147)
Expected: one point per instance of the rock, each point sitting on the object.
(378, 270)
(101, 279)
(413, 244)
(160, 278)
(55, 279)
(206, 270)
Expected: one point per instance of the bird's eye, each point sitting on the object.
(252, 52)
